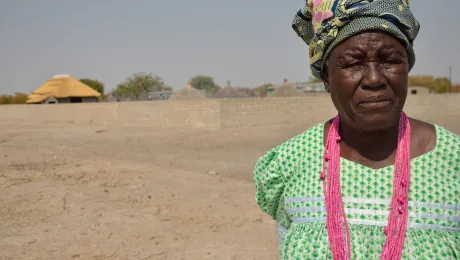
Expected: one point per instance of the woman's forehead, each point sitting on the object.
(371, 40)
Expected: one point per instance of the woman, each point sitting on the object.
(370, 183)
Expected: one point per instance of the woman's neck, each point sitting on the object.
(376, 146)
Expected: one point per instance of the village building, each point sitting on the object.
(188, 92)
(229, 92)
(63, 89)
(284, 90)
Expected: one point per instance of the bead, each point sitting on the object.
(404, 183)
(322, 176)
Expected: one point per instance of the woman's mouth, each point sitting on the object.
(375, 102)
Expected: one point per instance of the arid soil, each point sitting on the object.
(74, 191)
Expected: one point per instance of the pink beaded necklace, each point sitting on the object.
(336, 220)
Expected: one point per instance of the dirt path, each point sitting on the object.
(91, 192)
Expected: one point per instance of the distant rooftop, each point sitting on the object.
(59, 76)
(303, 86)
(310, 87)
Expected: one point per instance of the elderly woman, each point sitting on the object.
(370, 183)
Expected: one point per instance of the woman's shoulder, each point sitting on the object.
(447, 143)
(442, 147)
(435, 129)
(446, 134)
(430, 137)
(302, 142)
(294, 148)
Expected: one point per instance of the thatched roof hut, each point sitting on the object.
(286, 90)
(188, 92)
(229, 92)
(63, 89)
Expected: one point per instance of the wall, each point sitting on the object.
(169, 114)
(419, 90)
(275, 111)
(160, 114)
(224, 113)
(84, 100)
(90, 99)
(64, 100)
(441, 109)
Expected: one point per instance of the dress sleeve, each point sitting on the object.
(269, 183)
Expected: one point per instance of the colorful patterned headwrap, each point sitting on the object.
(323, 24)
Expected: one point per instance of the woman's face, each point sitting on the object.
(367, 76)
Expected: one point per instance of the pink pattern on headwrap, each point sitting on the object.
(317, 2)
(320, 16)
(319, 13)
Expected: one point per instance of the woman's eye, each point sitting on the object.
(353, 65)
(390, 63)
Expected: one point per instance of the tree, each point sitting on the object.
(139, 85)
(440, 85)
(261, 91)
(420, 80)
(94, 84)
(437, 85)
(167, 88)
(5, 99)
(20, 98)
(123, 92)
(17, 98)
(205, 83)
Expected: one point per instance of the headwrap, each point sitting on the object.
(323, 24)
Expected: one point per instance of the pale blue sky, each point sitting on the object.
(249, 42)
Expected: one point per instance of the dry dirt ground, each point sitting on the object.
(74, 191)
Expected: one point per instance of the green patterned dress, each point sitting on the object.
(289, 189)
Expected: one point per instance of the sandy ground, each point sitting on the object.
(72, 191)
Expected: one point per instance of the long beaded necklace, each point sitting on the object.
(336, 220)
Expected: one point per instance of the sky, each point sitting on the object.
(249, 42)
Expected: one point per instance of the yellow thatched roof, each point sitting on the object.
(35, 98)
(64, 86)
